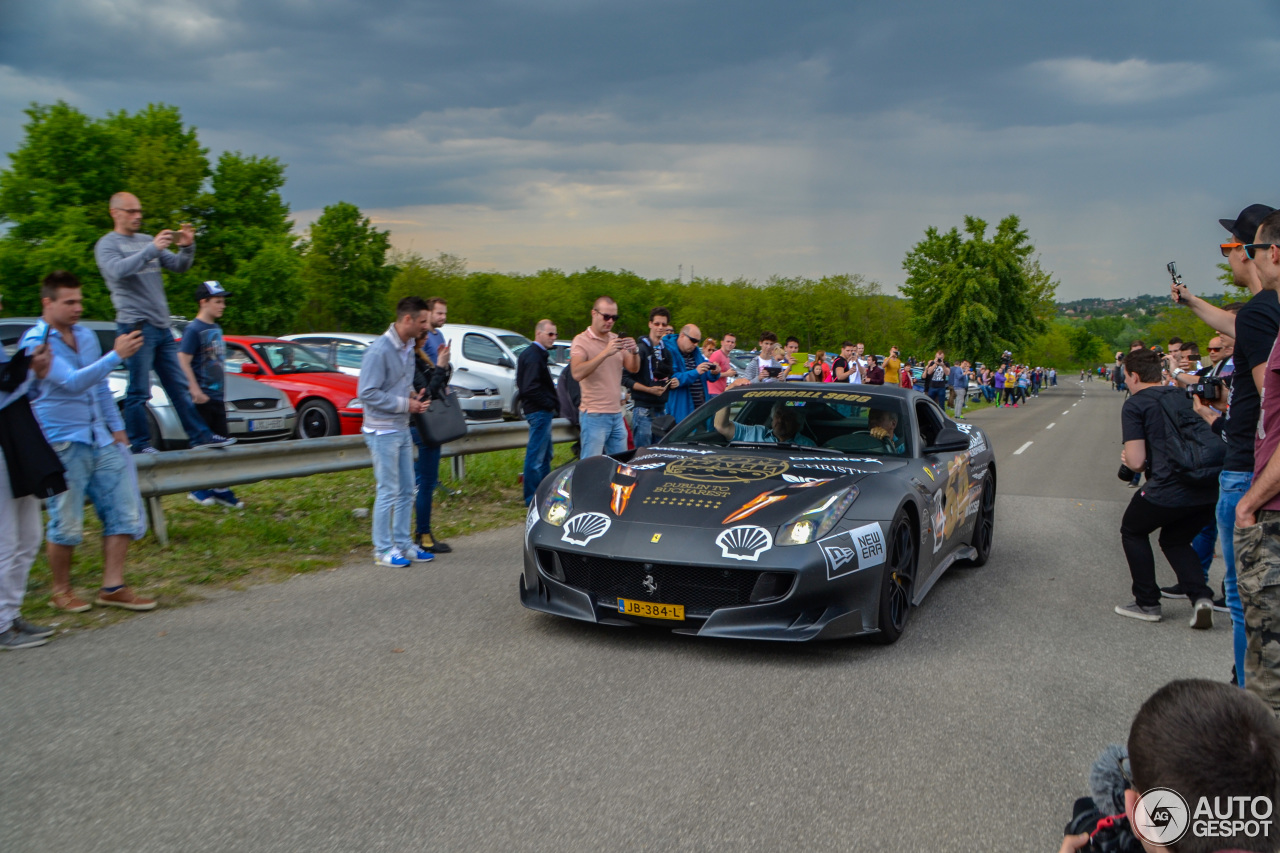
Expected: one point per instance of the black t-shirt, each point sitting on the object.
(1256, 327)
(839, 363)
(1141, 419)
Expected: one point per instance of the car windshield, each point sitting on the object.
(288, 357)
(558, 354)
(515, 343)
(836, 421)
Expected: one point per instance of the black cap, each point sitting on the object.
(1245, 226)
(208, 289)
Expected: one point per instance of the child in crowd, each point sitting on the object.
(202, 355)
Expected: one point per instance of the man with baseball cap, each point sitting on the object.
(202, 356)
(1254, 327)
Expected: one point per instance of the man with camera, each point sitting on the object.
(689, 383)
(1215, 748)
(1254, 327)
(649, 384)
(1178, 509)
(130, 263)
(935, 379)
(597, 359)
(1257, 516)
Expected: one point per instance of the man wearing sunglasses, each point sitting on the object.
(596, 361)
(1257, 516)
(689, 384)
(1254, 328)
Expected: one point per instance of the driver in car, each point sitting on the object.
(884, 425)
(785, 429)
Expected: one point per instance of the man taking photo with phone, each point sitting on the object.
(130, 263)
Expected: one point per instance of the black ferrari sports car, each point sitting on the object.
(780, 511)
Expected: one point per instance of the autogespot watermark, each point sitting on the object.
(1162, 817)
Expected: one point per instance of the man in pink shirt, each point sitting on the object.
(596, 361)
(721, 358)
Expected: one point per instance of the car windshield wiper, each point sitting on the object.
(787, 445)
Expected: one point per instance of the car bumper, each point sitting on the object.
(811, 608)
(266, 426)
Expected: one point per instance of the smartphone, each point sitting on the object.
(137, 327)
(1177, 279)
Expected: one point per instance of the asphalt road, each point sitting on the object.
(374, 709)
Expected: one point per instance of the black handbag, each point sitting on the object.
(443, 421)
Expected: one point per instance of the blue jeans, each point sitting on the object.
(603, 433)
(537, 456)
(101, 474)
(939, 395)
(1203, 544)
(426, 475)
(1231, 487)
(642, 425)
(159, 352)
(392, 455)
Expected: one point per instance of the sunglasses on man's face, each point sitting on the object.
(1228, 248)
(608, 318)
(1251, 248)
(1215, 349)
(696, 341)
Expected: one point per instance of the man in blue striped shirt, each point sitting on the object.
(78, 414)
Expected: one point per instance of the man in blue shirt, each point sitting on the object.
(78, 415)
(427, 469)
(19, 517)
(959, 382)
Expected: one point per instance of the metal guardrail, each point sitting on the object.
(188, 470)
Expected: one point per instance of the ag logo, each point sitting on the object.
(1161, 817)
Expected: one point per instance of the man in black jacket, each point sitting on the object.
(649, 384)
(538, 401)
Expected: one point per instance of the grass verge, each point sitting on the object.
(288, 527)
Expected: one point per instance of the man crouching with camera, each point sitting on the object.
(1201, 774)
(1168, 503)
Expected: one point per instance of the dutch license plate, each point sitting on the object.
(650, 610)
(266, 423)
(493, 404)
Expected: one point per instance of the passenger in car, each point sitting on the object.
(784, 427)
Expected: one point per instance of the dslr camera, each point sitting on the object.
(1210, 389)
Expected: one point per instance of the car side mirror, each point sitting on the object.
(250, 368)
(949, 440)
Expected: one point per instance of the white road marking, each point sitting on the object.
(1018, 452)
(1050, 426)
(1068, 411)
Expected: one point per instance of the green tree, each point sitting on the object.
(977, 296)
(246, 241)
(344, 274)
(1086, 347)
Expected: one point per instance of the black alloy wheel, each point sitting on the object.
(317, 419)
(899, 579)
(984, 532)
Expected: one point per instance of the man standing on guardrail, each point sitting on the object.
(539, 403)
(20, 493)
(130, 262)
(386, 391)
(202, 355)
(78, 414)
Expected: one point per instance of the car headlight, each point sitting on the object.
(462, 392)
(817, 521)
(355, 404)
(557, 505)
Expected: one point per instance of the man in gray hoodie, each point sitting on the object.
(130, 262)
(386, 391)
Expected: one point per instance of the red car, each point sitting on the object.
(326, 398)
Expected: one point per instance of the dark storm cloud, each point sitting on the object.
(911, 112)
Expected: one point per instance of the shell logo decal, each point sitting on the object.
(745, 542)
(584, 527)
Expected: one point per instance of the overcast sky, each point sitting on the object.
(738, 138)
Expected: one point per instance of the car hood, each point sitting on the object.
(340, 383)
(686, 487)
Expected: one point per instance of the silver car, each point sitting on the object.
(490, 354)
(255, 412)
(480, 400)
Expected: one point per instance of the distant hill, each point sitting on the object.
(1136, 306)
